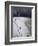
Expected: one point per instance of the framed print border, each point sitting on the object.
(7, 40)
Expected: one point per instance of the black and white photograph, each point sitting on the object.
(21, 22)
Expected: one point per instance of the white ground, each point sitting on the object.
(20, 28)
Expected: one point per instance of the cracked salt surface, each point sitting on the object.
(21, 27)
